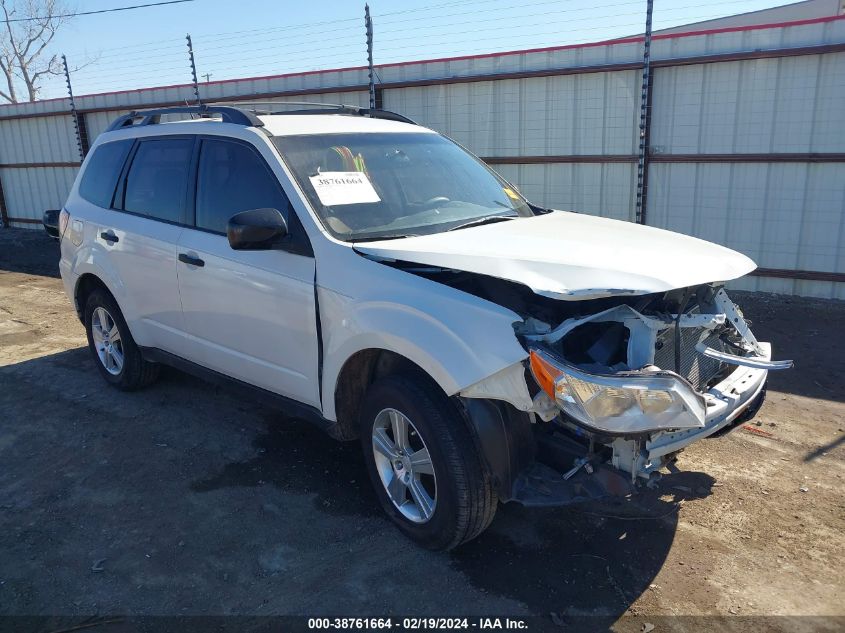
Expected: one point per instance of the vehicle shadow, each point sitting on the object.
(576, 563)
(590, 560)
(579, 566)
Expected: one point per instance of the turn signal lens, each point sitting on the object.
(544, 373)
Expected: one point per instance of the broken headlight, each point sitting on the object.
(628, 402)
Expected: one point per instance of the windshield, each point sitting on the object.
(381, 186)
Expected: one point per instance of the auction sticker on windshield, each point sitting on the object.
(344, 187)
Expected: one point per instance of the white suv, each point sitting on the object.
(379, 280)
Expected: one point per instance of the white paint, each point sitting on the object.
(570, 256)
(507, 384)
(250, 315)
(295, 124)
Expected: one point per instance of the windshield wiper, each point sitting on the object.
(489, 219)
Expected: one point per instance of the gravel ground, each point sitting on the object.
(184, 499)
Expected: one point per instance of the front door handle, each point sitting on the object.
(110, 237)
(193, 261)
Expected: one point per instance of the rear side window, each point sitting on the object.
(103, 170)
(233, 178)
(158, 177)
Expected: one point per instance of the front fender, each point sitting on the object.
(458, 341)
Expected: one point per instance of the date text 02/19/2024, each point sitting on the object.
(417, 623)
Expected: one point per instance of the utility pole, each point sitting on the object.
(207, 76)
(368, 23)
(193, 69)
(645, 121)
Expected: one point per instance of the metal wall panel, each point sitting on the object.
(604, 189)
(591, 113)
(98, 122)
(29, 192)
(561, 57)
(360, 98)
(673, 47)
(790, 104)
(591, 55)
(782, 215)
(35, 107)
(38, 140)
(285, 83)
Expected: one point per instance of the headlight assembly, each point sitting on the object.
(631, 402)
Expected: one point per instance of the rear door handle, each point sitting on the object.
(110, 237)
(193, 261)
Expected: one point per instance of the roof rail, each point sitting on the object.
(229, 114)
(313, 107)
(375, 113)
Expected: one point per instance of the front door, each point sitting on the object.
(249, 314)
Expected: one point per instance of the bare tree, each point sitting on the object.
(28, 28)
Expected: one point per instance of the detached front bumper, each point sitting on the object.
(726, 402)
(560, 470)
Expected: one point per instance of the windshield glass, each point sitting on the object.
(387, 185)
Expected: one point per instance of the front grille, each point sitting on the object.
(695, 367)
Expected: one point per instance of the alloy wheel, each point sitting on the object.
(404, 466)
(107, 341)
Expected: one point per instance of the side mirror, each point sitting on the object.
(50, 220)
(257, 229)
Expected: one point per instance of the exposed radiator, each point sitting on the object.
(695, 367)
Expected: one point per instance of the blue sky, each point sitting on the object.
(238, 38)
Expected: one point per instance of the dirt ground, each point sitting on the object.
(184, 499)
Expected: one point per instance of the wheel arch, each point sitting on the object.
(357, 373)
(501, 434)
(86, 284)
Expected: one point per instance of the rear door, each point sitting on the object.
(251, 314)
(141, 237)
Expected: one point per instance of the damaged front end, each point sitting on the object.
(614, 386)
(632, 352)
(641, 380)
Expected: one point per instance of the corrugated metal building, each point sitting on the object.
(746, 141)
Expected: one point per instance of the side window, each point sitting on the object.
(157, 180)
(103, 170)
(233, 178)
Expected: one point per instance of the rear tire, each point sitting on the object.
(115, 353)
(454, 478)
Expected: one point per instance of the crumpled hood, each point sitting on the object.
(571, 256)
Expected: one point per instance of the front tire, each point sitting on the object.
(423, 463)
(114, 350)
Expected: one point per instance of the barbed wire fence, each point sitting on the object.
(450, 29)
(746, 152)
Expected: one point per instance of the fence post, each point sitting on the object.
(78, 122)
(4, 212)
(193, 69)
(645, 121)
(368, 23)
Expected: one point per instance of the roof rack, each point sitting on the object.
(314, 107)
(246, 114)
(229, 114)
